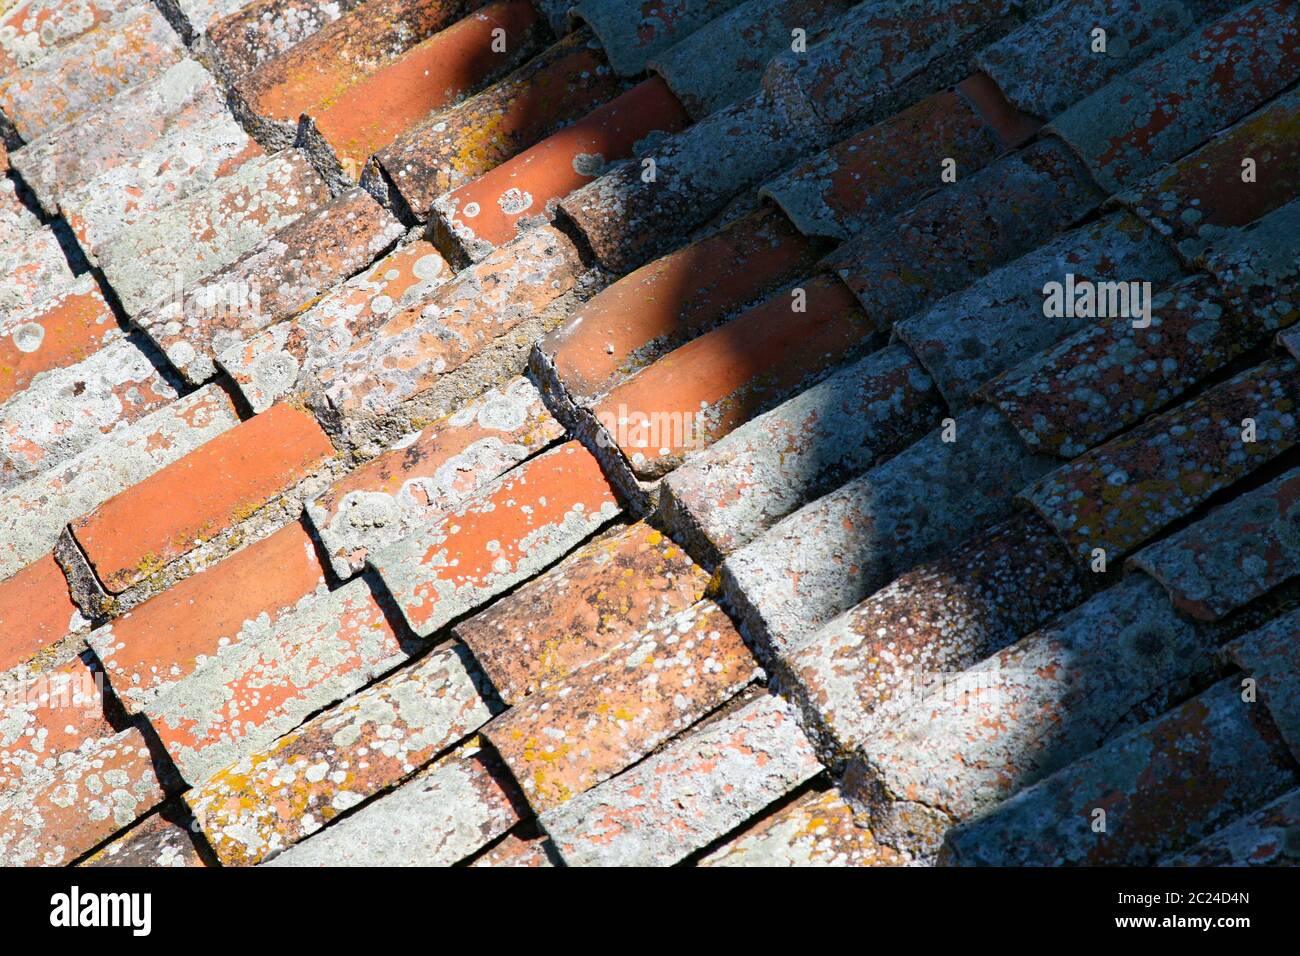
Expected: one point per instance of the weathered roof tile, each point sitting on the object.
(686, 796)
(419, 480)
(158, 841)
(1270, 656)
(33, 514)
(725, 496)
(1162, 787)
(863, 669)
(32, 29)
(1263, 838)
(832, 553)
(271, 283)
(612, 711)
(165, 515)
(272, 799)
(632, 32)
(454, 146)
(511, 530)
(262, 29)
(1120, 494)
(164, 640)
(447, 813)
(482, 214)
(35, 611)
(616, 587)
(51, 718)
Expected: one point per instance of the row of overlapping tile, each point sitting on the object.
(896, 467)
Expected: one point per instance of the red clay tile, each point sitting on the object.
(58, 818)
(529, 518)
(889, 166)
(413, 350)
(643, 315)
(356, 45)
(274, 282)
(87, 73)
(373, 112)
(452, 148)
(600, 596)
(60, 331)
(266, 366)
(35, 611)
(263, 29)
(487, 212)
(171, 635)
(31, 29)
(156, 841)
(210, 489)
(516, 851)
(699, 392)
(50, 718)
(419, 480)
(610, 713)
(252, 693)
(278, 796)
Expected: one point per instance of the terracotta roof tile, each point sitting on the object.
(817, 829)
(631, 32)
(953, 237)
(482, 214)
(658, 812)
(56, 332)
(457, 145)
(627, 220)
(1194, 200)
(325, 64)
(1162, 786)
(1069, 399)
(447, 813)
(250, 693)
(422, 478)
(35, 611)
(84, 75)
(189, 157)
(52, 718)
(604, 594)
(752, 362)
(266, 366)
(614, 710)
(67, 158)
(878, 58)
(863, 669)
(1269, 655)
(193, 16)
(272, 799)
(1043, 69)
(998, 321)
(832, 553)
(976, 737)
(515, 851)
(162, 641)
(1164, 107)
(69, 408)
(469, 315)
(1122, 493)
(260, 30)
(1259, 273)
(53, 821)
(31, 29)
(887, 167)
(725, 496)
(131, 535)
(511, 530)
(33, 514)
(428, 77)
(1233, 555)
(34, 267)
(642, 316)
(177, 245)
(723, 60)
(156, 841)
(1262, 838)
(271, 283)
